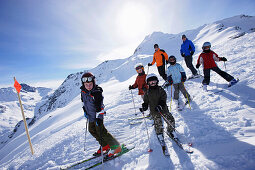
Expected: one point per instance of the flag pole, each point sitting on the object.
(24, 120)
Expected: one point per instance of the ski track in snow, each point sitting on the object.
(220, 126)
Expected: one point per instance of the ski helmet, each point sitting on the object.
(88, 77)
(151, 77)
(184, 36)
(138, 66)
(155, 45)
(172, 57)
(206, 44)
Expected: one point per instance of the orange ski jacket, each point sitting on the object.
(159, 57)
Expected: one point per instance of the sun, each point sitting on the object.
(132, 20)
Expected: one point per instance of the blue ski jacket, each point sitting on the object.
(175, 71)
(186, 47)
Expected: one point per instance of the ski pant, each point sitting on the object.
(188, 60)
(180, 87)
(162, 71)
(158, 124)
(223, 74)
(102, 135)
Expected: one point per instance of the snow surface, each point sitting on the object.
(10, 113)
(221, 126)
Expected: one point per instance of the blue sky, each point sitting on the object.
(44, 41)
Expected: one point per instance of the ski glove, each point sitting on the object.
(183, 77)
(99, 122)
(100, 115)
(144, 106)
(158, 108)
(85, 113)
(130, 87)
(183, 55)
(198, 65)
(149, 64)
(191, 53)
(170, 80)
(223, 59)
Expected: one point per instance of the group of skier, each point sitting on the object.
(154, 96)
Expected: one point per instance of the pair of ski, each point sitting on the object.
(137, 120)
(97, 160)
(176, 140)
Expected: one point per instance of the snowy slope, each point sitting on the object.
(10, 113)
(220, 126)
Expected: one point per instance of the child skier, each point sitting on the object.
(92, 98)
(155, 99)
(140, 81)
(208, 58)
(176, 76)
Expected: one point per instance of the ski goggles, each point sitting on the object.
(87, 79)
(139, 67)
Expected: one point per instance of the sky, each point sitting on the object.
(43, 41)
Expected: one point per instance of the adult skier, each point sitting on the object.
(176, 76)
(92, 99)
(160, 57)
(140, 81)
(208, 58)
(155, 99)
(187, 50)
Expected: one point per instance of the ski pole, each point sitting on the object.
(171, 98)
(148, 70)
(85, 134)
(150, 150)
(101, 140)
(186, 95)
(133, 101)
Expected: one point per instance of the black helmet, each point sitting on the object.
(172, 57)
(155, 45)
(88, 77)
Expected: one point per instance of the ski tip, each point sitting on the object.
(150, 150)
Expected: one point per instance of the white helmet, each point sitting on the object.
(151, 77)
(206, 44)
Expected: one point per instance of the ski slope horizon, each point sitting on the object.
(220, 126)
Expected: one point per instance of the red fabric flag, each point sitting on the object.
(17, 86)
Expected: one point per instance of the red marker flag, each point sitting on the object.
(17, 86)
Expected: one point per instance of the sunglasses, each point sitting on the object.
(87, 79)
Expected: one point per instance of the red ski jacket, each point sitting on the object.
(140, 82)
(208, 59)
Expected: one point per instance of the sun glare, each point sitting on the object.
(133, 19)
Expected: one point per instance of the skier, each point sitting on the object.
(140, 81)
(159, 57)
(92, 99)
(176, 76)
(208, 58)
(155, 98)
(187, 50)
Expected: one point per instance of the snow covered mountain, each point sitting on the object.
(10, 114)
(221, 126)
